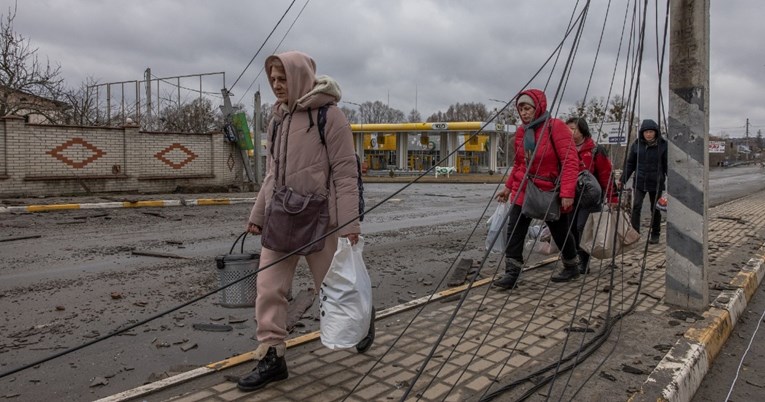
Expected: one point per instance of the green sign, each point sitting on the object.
(243, 137)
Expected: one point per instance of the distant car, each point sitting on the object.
(726, 163)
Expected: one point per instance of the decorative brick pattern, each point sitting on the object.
(73, 157)
(168, 152)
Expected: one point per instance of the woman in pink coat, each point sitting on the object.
(548, 141)
(297, 157)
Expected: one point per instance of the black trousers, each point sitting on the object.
(637, 206)
(577, 229)
(518, 226)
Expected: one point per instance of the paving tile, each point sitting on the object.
(197, 396)
(373, 391)
(223, 387)
(436, 392)
(479, 383)
(295, 382)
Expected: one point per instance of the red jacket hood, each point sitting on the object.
(540, 101)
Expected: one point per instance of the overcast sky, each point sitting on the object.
(410, 54)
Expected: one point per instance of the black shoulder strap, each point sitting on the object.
(273, 136)
(599, 149)
(321, 121)
(321, 118)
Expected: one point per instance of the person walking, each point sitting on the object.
(544, 154)
(297, 159)
(648, 160)
(595, 159)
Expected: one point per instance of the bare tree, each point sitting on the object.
(82, 109)
(462, 112)
(351, 114)
(27, 85)
(378, 112)
(617, 109)
(594, 111)
(195, 117)
(414, 116)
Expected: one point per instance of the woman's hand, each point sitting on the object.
(353, 238)
(566, 203)
(253, 228)
(503, 195)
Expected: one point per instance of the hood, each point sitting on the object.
(305, 89)
(649, 124)
(540, 101)
(325, 90)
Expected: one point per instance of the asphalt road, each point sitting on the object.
(747, 382)
(81, 280)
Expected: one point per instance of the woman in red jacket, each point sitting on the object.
(544, 154)
(595, 159)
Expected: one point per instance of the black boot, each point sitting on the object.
(270, 368)
(584, 262)
(512, 272)
(654, 238)
(568, 272)
(366, 342)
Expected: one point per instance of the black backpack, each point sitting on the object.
(322, 121)
(600, 149)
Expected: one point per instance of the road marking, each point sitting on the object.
(128, 204)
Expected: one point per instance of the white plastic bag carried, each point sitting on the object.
(497, 228)
(345, 297)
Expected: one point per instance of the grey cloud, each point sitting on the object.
(442, 51)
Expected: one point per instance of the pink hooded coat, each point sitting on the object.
(305, 164)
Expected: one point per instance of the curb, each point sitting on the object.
(129, 204)
(679, 374)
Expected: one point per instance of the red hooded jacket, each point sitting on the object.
(551, 160)
(600, 167)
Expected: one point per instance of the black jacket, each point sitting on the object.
(647, 160)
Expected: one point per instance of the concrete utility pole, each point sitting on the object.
(256, 141)
(147, 78)
(228, 111)
(688, 176)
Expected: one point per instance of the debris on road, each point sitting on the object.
(158, 254)
(20, 238)
(213, 327)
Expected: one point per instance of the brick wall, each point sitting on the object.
(55, 160)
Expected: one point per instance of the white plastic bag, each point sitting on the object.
(345, 297)
(497, 227)
(543, 247)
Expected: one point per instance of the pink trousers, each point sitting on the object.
(274, 283)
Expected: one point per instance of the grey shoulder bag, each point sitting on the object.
(292, 220)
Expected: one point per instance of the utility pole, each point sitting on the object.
(256, 132)
(688, 135)
(747, 130)
(147, 79)
(228, 112)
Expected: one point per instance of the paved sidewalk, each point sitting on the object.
(511, 334)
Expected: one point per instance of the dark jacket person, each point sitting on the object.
(648, 160)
